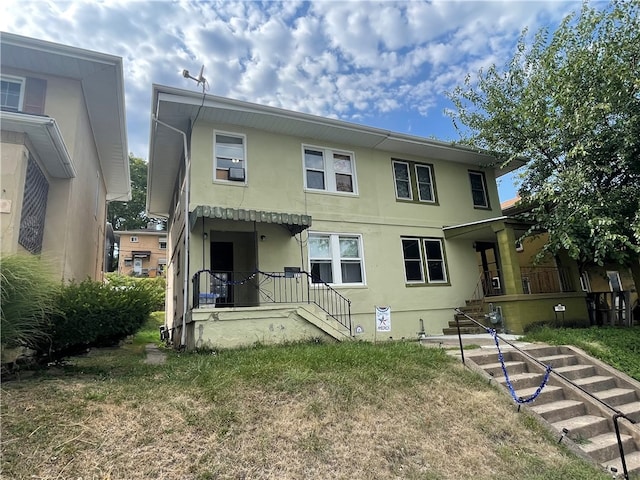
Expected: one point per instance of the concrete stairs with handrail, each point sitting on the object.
(475, 309)
(563, 406)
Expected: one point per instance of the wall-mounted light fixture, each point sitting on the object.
(263, 238)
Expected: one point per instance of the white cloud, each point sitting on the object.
(351, 60)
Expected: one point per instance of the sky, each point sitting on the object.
(381, 64)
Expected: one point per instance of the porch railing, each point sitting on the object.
(252, 289)
(534, 280)
(546, 280)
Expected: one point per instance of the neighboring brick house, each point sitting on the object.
(64, 153)
(142, 252)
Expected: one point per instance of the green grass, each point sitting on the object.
(616, 346)
(308, 410)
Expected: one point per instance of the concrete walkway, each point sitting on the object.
(483, 340)
(154, 355)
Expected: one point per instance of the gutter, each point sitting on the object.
(185, 293)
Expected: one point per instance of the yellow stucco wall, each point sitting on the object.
(275, 183)
(73, 242)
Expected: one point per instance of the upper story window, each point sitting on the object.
(329, 170)
(479, 189)
(162, 243)
(336, 258)
(11, 93)
(134, 240)
(230, 157)
(414, 181)
(424, 259)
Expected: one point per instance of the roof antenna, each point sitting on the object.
(199, 79)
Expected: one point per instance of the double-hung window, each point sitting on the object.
(229, 157)
(424, 260)
(479, 189)
(11, 93)
(329, 170)
(414, 181)
(336, 258)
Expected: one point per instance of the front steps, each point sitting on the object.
(476, 309)
(563, 406)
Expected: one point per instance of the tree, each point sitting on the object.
(131, 215)
(569, 106)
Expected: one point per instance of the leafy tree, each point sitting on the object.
(570, 106)
(131, 215)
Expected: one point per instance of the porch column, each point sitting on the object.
(509, 264)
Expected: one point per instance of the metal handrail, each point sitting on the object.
(275, 287)
(618, 414)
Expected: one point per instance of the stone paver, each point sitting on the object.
(154, 355)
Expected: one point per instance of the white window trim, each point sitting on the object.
(395, 180)
(22, 81)
(616, 274)
(424, 269)
(134, 239)
(215, 158)
(585, 283)
(334, 242)
(433, 193)
(329, 172)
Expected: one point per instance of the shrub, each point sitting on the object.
(94, 314)
(157, 286)
(28, 294)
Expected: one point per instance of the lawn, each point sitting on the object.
(617, 346)
(326, 411)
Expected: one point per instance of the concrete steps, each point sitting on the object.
(570, 400)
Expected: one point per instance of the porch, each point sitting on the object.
(512, 292)
(232, 309)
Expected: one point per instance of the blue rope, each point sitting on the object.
(516, 397)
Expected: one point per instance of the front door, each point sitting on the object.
(222, 268)
(489, 267)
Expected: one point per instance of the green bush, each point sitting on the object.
(28, 295)
(157, 286)
(94, 314)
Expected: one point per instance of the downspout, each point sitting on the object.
(185, 294)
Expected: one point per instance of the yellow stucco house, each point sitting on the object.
(64, 152)
(284, 226)
(142, 252)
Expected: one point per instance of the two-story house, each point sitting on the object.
(64, 152)
(284, 225)
(142, 252)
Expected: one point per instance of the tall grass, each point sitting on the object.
(28, 297)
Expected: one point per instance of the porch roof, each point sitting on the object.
(484, 230)
(294, 222)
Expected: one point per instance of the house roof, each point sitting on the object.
(101, 76)
(178, 108)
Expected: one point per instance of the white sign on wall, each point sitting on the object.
(383, 319)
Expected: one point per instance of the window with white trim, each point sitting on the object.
(336, 258)
(134, 240)
(414, 181)
(424, 259)
(229, 157)
(479, 189)
(162, 243)
(329, 170)
(11, 93)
